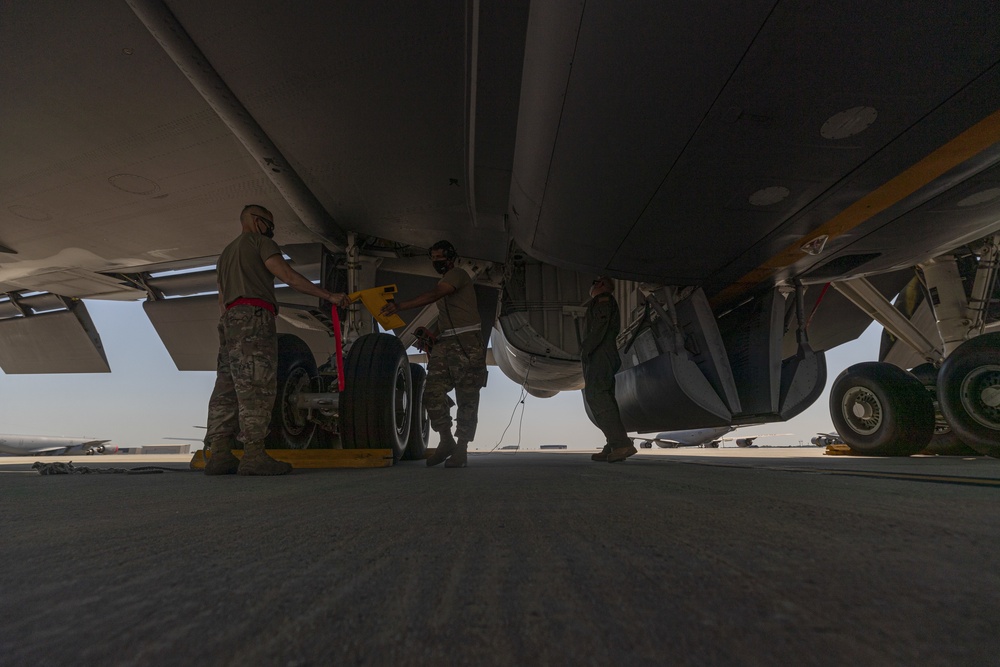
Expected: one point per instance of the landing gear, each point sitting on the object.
(291, 427)
(376, 405)
(968, 388)
(944, 442)
(420, 425)
(881, 410)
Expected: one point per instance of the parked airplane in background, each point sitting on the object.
(827, 439)
(701, 437)
(51, 445)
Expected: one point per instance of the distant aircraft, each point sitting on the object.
(27, 445)
(827, 439)
(700, 437)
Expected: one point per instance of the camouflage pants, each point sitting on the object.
(459, 363)
(246, 381)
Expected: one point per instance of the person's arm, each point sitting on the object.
(222, 306)
(600, 318)
(281, 270)
(441, 290)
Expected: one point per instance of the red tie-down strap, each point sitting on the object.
(340, 347)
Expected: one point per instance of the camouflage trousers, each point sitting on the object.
(459, 363)
(246, 381)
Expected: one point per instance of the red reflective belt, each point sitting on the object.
(258, 303)
(335, 316)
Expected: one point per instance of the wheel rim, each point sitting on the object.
(400, 400)
(862, 410)
(294, 420)
(980, 395)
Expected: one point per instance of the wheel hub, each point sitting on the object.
(295, 419)
(980, 395)
(862, 410)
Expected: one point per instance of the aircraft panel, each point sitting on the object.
(58, 342)
(343, 89)
(188, 328)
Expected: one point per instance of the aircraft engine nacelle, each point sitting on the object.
(744, 442)
(646, 444)
(102, 449)
(540, 393)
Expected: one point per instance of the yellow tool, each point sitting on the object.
(374, 299)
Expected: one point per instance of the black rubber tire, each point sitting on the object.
(968, 388)
(946, 443)
(420, 425)
(290, 429)
(943, 442)
(375, 406)
(897, 413)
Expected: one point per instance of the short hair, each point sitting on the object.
(607, 280)
(446, 247)
(255, 209)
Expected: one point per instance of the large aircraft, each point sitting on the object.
(762, 178)
(32, 445)
(700, 437)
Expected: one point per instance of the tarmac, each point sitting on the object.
(761, 556)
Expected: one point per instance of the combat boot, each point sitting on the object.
(601, 455)
(222, 461)
(621, 453)
(459, 456)
(257, 462)
(444, 449)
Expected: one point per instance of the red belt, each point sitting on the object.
(258, 303)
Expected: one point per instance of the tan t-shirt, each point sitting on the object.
(241, 270)
(458, 309)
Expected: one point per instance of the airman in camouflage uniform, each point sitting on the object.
(599, 353)
(459, 363)
(457, 360)
(246, 381)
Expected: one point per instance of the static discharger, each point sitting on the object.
(374, 299)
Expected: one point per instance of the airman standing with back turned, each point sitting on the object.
(599, 353)
(246, 381)
(457, 360)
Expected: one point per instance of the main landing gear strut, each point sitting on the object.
(953, 400)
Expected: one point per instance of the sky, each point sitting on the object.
(146, 400)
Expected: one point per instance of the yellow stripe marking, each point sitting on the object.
(317, 458)
(976, 139)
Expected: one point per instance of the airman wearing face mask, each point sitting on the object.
(458, 358)
(246, 381)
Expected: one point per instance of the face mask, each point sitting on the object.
(269, 233)
(441, 266)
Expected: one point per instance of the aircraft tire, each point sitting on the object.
(944, 442)
(290, 427)
(420, 424)
(881, 410)
(968, 390)
(376, 404)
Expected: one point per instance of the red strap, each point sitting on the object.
(340, 348)
(258, 303)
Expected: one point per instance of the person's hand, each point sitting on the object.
(389, 309)
(339, 299)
